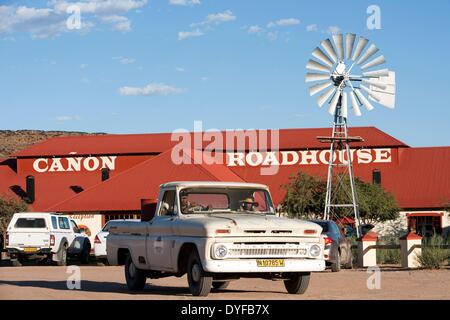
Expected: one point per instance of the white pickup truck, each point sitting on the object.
(216, 232)
(45, 236)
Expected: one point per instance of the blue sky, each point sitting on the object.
(141, 66)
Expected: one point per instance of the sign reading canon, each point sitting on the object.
(74, 164)
(307, 157)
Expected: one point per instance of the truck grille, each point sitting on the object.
(267, 251)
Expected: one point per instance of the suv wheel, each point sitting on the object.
(336, 265)
(199, 281)
(135, 277)
(84, 258)
(298, 283)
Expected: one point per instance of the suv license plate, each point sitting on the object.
(263, 263)
(30, 250)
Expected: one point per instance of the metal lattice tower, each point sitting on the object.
(339, 170)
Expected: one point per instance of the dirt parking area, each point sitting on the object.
(99, 282)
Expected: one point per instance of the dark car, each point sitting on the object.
(338, 248)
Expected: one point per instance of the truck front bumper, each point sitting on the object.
(251, 266)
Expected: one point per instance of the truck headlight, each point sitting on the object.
(220, 251)
(314, 251)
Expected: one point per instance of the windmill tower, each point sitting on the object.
(348, 78)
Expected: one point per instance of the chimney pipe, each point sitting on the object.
(30, 186)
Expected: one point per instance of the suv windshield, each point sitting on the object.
(225, 200)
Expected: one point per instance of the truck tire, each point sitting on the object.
(62, 256)
(200, 282)
(220, 284)
(298, 283)
(349, 264)
(135, 277)
(336, 265)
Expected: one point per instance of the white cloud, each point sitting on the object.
(51, 20)
(333, 30)
(254, 29)
(121, 23)
(216, 19)
(284, 23)
(83, 66)
(124, 60)
(312, 27)
(68, 118)
(182, 35)
(179, 69)
(152, 89)
(184, 2)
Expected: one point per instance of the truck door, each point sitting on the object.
(160, 239)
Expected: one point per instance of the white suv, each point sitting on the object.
(47, 236)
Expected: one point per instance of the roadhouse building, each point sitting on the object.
(98, 178)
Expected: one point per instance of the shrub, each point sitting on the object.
(434, 254)
(388, 256)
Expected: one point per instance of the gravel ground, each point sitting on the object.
(99, 282)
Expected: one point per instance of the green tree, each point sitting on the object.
(305, 198)
(9, 206)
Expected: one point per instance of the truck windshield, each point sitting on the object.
(226, 200)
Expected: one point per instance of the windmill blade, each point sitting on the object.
(328, 47)
(339, 43)
(344, 103)
(376, 73)
(374, 83)
(375, 62)
(319, 87)
(319, 55)
(314, 65)
(349, 43)
(316, 77)
(334, 102)
(355, 105)
(369, 52)
(325, 96)
(371, 93)
(362, 42)
(366, 103)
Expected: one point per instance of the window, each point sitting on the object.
(168, 203)
(63, 223)
(224, 200)
(30, 223)
(74, 226)
(54, 223)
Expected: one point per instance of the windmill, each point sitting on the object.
(345, 74)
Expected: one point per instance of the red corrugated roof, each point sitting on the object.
(125, 191)
(290, 139)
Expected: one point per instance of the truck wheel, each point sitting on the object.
(349, 264)
(221, 284)
(199, 282)
(336, 266)
(84, 258)
(62, 256)
(135, 277)
(298, 283)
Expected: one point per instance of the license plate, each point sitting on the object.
(30, 250)
(264, 263)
